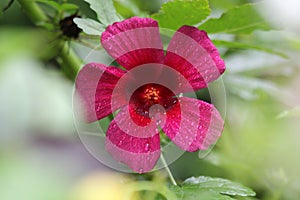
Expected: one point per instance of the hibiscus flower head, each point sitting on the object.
(145, 93)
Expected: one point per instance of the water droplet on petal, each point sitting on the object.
(158, 122)
(147, 146)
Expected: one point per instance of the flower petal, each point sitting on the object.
(95, 84)
(134, 42)
(193, 129)
(193, 54)
(139, 153)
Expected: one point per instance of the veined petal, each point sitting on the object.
(139, 153)
(193, 54)
(193, 124)
(95, 84)
(134, 42)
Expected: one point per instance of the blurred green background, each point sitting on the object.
(41, 156)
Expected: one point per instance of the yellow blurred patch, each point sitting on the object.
(103, 186)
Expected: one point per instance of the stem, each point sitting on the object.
(150, 186)
(69, 60)
(8, 5)
(168, 169)
(33, 11)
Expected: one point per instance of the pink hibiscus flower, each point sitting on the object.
(148, 93)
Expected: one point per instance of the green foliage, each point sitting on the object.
(124, 10)
(59, 7)
(89, 26)
(104, 123)
(52, 4)
(176, 13)
(157, 187)
(295, 42)
(192, 194)
(222, 186)
(240, 45)
(239, 20)
(193, 188)
(105, 11)
(294, 112)
(127, 8)
(253, 138)
(30, 42)
(226, 4)
(68, 6)
(250, 88)
(209, 188)
(149, 6)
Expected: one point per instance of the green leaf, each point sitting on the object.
(105, 11)
(250, 88)
(123, 10)
(89, 26)
(218, 185)
(127, 9)
(59, 7)
(190, 194)
(240, 20)
(207, 195)
(176, 13)
(222, 43)
(69, 6)
(52, 4)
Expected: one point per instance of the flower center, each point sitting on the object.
(150, 94)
